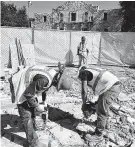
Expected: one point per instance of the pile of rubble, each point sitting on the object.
(128, 85)
(122, 122)
(67, 118)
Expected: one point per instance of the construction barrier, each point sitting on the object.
(52, 46)
(117, 48)
(8, 36)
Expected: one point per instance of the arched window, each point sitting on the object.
(105, 29)
(61, 17)
(105, 16)
(73, 16)
(91, 18)
(86, 16)
(45, 18)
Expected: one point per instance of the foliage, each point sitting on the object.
(22, 18)
(128, 14)
(11, 16)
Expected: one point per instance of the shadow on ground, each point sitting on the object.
(66, 120)
(10, 126)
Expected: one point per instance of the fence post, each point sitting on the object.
(99, 55)
(69, 45)
(9, 59)
(32, 41)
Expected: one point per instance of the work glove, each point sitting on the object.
(39, 121)
(88, 109)
(40, 108)
(33, 103)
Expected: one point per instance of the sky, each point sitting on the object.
(47, 6)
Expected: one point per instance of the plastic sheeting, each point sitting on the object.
(93, 42)
(54, 46)
(117, 49)
(28, 53)
(8, 36)
(50, 47)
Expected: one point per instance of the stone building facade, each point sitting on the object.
(79, 16)
(42, 21)
(107, 21)
(74, 15)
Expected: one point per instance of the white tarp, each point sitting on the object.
(93, 42)
(54, 46)
(50, 47)
(118, 48)
(8, 36)
(28, 54)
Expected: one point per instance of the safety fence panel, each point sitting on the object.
(118, 48)
(93, 42)
(51, 46)
(8, 36)
(23, 54)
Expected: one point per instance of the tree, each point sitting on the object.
(22, 18)
(128, 14)
(10, 16)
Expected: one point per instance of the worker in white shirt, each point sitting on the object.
(82, 52)
(105, 85)
(32, 81)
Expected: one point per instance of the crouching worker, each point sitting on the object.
(105, 85)
(29, 82)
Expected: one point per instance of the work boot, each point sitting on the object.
(42, 103)
(97, 136)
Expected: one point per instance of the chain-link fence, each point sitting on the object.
(8, 36)
(53, 46)
(118, 48)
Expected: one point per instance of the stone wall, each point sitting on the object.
(42, 21)
(112, 24)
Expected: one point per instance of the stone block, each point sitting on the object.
(124, 97)
(85, 128)
(66, 137)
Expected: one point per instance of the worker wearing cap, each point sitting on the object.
(105, 85)
(82, 52)
(34, 80)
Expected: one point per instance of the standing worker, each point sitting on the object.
(31, 81)
(82, 52)
(105, 85)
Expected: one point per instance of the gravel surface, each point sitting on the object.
(122, 125)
